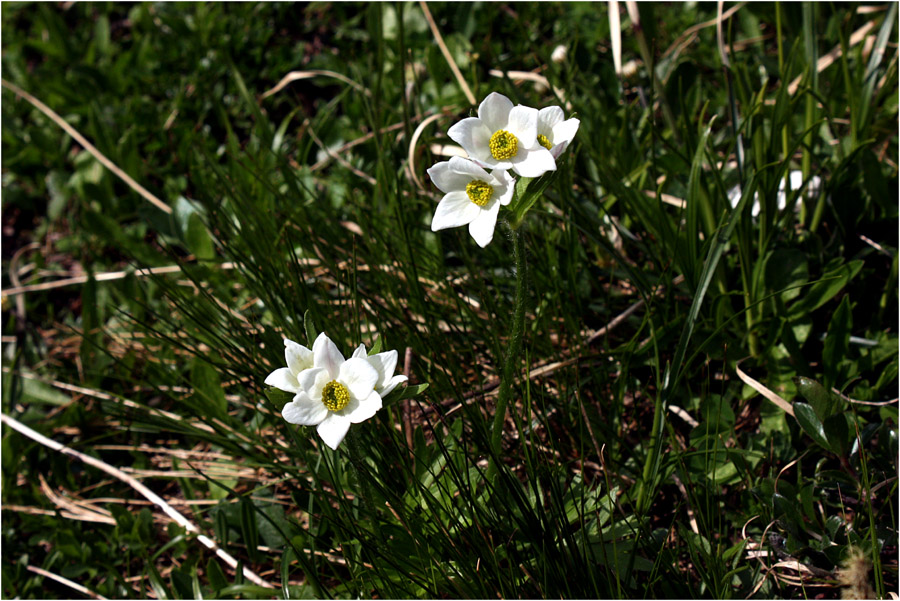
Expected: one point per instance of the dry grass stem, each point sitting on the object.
(88, 146)
(146, 492)
(65, 581)
(439, 39)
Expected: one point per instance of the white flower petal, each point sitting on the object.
(297, 356)
(312, 381)
(494, 111)
(534, 163)
(360, 352)
(454, 210)
(327, 355)
(385, 364)
(473, 136)
(446, 179)
(565, 132)
(548, 117)
(333, 430)
(470, 169)
(482, 229)
(506, 188)
(558, 150)
(359, 377)
(523, 125)
(389, 387)
(365, 408)
(283, 379)
(304, 411)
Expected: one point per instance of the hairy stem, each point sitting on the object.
(511, 359)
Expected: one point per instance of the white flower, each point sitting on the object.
(504, 137)
(472, 197)
(332, 394)
(554, 131)
(559, 54)
(298, 359)
(385, 364)
(796, 177)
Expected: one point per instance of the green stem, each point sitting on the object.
(652, 461)
(511, 359)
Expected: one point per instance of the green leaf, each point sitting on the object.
(181, 584)
(286, 558)
(310, 328)
(806, 417)
(35, 391)
(833, 281)
(407, 392)
(248, 526)
(528, 191)
(198, 239)
(785, 269)
(376, 346)
(249, 589)
(823, 401)
(207, 386)
(215, 574)
(837, 342)
(788, 512)
(839, 434)
(156, 583)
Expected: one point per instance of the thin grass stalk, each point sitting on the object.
(785, 144)
(810, 114)
(514, 348)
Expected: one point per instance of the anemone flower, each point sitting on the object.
(333, 394)
(504, 137)
(472, 197)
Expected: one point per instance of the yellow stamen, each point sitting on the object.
(335, 396)
(479, 192)
(504, 145)
(543, 141)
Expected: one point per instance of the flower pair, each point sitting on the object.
(331, 392)
(502, 138)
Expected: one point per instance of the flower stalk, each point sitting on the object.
(514, 349)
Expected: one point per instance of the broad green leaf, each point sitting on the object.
(824, 402)
(839, 434)
(786, 268)
(207, 386)
(198, 240)
(215, 574)
(181, 584)
(806, 417)
(36, 391)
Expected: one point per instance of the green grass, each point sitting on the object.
(633, 461)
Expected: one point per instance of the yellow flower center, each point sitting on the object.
(479, 192)
(504, 145)
(543, 141)
(335, 396)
